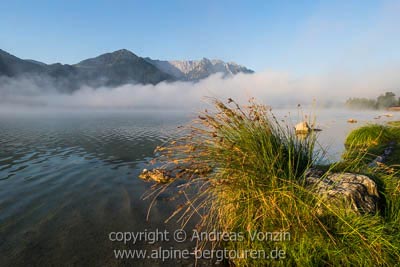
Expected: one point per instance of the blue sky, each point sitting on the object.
(293, 36)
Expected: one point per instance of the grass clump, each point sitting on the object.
(364, 144)
(370, 135)
(245, 174)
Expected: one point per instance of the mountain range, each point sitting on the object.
(194, 70)
(113, 69)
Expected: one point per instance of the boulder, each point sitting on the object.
(357, 192)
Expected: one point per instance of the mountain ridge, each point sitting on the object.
(114, 69)
(194, 70)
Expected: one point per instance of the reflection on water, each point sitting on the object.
(68, 180)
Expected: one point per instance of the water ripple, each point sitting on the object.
(66, 182)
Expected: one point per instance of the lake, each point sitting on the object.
(69, 179)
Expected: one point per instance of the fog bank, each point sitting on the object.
(277, 89)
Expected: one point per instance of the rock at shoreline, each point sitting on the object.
(384, 157)
(355, 191)
(156, 175)
(395, 108)
(302, 128)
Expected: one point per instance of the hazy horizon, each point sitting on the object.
(272, 88)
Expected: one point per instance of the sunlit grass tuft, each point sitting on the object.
(245, 173)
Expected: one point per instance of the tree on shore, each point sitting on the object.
(383, 101)
(361, 103)
(386, 100)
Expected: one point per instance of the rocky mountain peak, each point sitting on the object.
(122, 55)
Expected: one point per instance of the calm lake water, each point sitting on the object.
(69, 179)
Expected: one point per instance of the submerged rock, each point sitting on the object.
(355, 191)
(156, 175)
(352, 121)
(172, 172)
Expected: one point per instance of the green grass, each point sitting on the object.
(370, 135)
(256, 184)
(386, 175)
(364, 144)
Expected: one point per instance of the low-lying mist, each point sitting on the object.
(273, 88)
